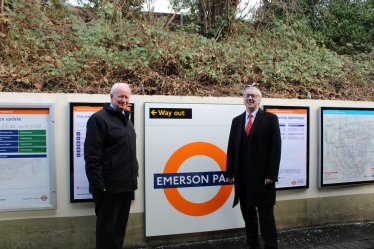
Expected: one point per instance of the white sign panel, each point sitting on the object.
(27, 178)
(185, 163)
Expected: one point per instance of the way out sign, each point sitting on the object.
(185, 163)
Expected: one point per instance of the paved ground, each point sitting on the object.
(344, 236)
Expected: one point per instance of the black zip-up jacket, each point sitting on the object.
(110, 152)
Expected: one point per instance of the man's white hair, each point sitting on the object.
(116, 85)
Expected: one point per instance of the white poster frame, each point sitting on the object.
(48, 193)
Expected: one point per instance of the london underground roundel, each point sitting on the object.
(215, 178)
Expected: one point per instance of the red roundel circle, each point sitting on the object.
(175, 161)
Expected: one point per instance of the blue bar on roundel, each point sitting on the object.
(190, 179)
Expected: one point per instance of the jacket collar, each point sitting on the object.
(108, 107)
(259, 115)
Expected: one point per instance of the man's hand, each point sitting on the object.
(268, 181)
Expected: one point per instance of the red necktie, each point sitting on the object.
(249, 124)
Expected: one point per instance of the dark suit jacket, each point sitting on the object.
(264, 152)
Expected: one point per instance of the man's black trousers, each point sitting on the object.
(112, 212)
(267, 222)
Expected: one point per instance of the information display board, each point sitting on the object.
(346, 146)
(294, 127)
(185, 163)
(27, 171)
(79, 115)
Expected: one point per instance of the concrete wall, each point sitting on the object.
(72, 225)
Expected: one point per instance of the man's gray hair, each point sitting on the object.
(254, 88)
(115, 86)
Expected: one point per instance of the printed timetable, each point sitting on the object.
(293, 125)
(79, 115)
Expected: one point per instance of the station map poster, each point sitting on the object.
(185, 163)
(79, 115)
(346, 146)
(27, 168)
(294, 128)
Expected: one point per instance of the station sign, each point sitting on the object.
(170, 113)
(185, 168)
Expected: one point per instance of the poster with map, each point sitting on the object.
(27, 172)
(346, 146)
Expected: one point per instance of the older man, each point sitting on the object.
(111, 167)
(253, 158)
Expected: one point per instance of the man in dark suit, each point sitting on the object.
(253, 157)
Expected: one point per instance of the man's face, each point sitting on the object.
(251, 100)
(121, 98)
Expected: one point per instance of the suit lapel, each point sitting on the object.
(240, 131)
(256, 123)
